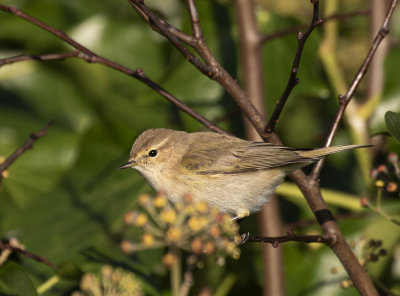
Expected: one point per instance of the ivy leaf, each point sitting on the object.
(392, 120)
(15, 281)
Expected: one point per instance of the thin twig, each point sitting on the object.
(194, 20)
(37, 258)
(44, 57)
(301, 39)
(182, 106)
(345, 99)
(162, 28)
(15, 11)
(141, 76)
(28, 145)
(337, 16)
(379, 211)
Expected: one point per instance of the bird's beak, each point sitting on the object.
(129, 164)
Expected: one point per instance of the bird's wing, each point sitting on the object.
(259, 156)
(238, 156)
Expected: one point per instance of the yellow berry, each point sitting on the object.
(106, 271)
(197, 223)
(236, 253)
(391, 187)
(209, 248)
(202, 207)
(159, 201)
(197, 246)
(169, 259)
(334, 270)
(141, 220)
(5, 174)
(346, 284)
(215, 231)
(237, 239)
(168, 216)
(189, 209)
(173, 234)
(143, 199)
(135, 218)
(127, 246)
(147, 240)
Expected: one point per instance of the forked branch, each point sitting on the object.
(208, 64)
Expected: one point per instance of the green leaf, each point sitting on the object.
(393, 124)
(14, 281)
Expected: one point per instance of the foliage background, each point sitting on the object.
(65, 199)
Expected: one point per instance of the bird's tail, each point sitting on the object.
(320, 152)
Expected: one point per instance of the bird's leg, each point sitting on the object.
(244, 237)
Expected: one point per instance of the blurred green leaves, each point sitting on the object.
(65, 198)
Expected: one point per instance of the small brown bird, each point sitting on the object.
(229, 173)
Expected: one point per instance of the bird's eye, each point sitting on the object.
(153, 153)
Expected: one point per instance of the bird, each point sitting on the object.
(234, 175)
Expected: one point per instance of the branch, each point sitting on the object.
(269, 220)
(311, 191)
(89, 56)
(301, 39)
(17, 153)
(179, 104)
(37, 258)
(327, 239)
(15, 11)
(345, 99)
